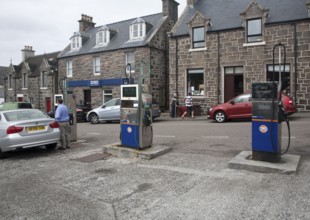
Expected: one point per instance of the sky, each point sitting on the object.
(48, 25)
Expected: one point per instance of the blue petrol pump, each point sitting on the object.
(136, 115)
(267, 116)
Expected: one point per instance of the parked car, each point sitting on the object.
(14, 105)
(110, 111)
(81, 112)
(241, 107)
(26, 128)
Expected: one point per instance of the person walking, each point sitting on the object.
(189, 105)
(62, 117)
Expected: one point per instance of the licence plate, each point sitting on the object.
(36, 128)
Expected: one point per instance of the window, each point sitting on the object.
(96, 66)
(137, 29)
(44, 79)
(254, 30)
(285, 74)
(107, 95)
(10, 82)
(130, 59)
(102, 37)
(195, 82)
(25, 80)
(69, 69)
(198, 37)
(76, 42)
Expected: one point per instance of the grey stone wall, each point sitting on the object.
(254, 60)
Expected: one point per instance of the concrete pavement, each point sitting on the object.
(40, 184)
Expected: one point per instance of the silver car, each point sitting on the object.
(26, 128)
(110, 111)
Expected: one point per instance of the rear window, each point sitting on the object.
(24, 105)
(24, 115)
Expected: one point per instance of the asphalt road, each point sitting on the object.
(192, 181)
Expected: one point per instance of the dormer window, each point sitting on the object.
(254, 19)
(138, 29)
(198, 37)
(104, 35)
(78, 39)
(254, 30)
(25, 80)
(10, 82)
(76, 42)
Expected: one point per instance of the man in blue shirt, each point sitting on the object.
(62, 117)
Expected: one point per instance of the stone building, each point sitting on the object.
(3, 72)
(219, 47)
(101, 58)
(34, 80)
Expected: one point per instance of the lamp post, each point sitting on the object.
(129, 65)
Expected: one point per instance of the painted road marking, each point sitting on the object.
(165, 136)
(219, 137)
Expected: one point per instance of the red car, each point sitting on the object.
(241, 107)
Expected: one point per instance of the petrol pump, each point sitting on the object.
(267, 116)
(136, 115)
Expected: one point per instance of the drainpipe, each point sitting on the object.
(176, 68)
(218, 67)
(295, 61)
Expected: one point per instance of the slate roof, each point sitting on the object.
(120, 40)
(225, 14)
(3, 72)
(35, 63)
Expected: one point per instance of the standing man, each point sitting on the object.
(62, 117)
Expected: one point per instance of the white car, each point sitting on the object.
(110, 111)
(26, 128)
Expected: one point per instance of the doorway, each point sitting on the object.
(233, 82)
(87, 98)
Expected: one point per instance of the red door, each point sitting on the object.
(48, 104)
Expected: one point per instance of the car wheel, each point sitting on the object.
(51, 146)
(2, 155)
(94, 119)
(220, 116)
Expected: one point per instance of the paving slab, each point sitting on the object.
(118, 150)
(287, 165)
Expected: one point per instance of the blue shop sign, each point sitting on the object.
(93, 83)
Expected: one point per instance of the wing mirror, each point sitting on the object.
(232, 102)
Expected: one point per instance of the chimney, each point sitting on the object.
(308, 6)
(27, 52)
(170, 9)
(191, 2)
(86, 22)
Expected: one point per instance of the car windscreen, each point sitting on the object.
(24, 115)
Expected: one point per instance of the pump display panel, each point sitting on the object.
(129, 92)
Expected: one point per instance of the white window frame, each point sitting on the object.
(96, 66)
(69, 68)
(131, 61)
(25, 81)
(76, 42)
(137, 30)
(102, 37)
(196, 92)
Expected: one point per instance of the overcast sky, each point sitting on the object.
(47, 25)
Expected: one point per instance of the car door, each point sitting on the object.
(106, 111)
(115, 110)
(241, 107)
